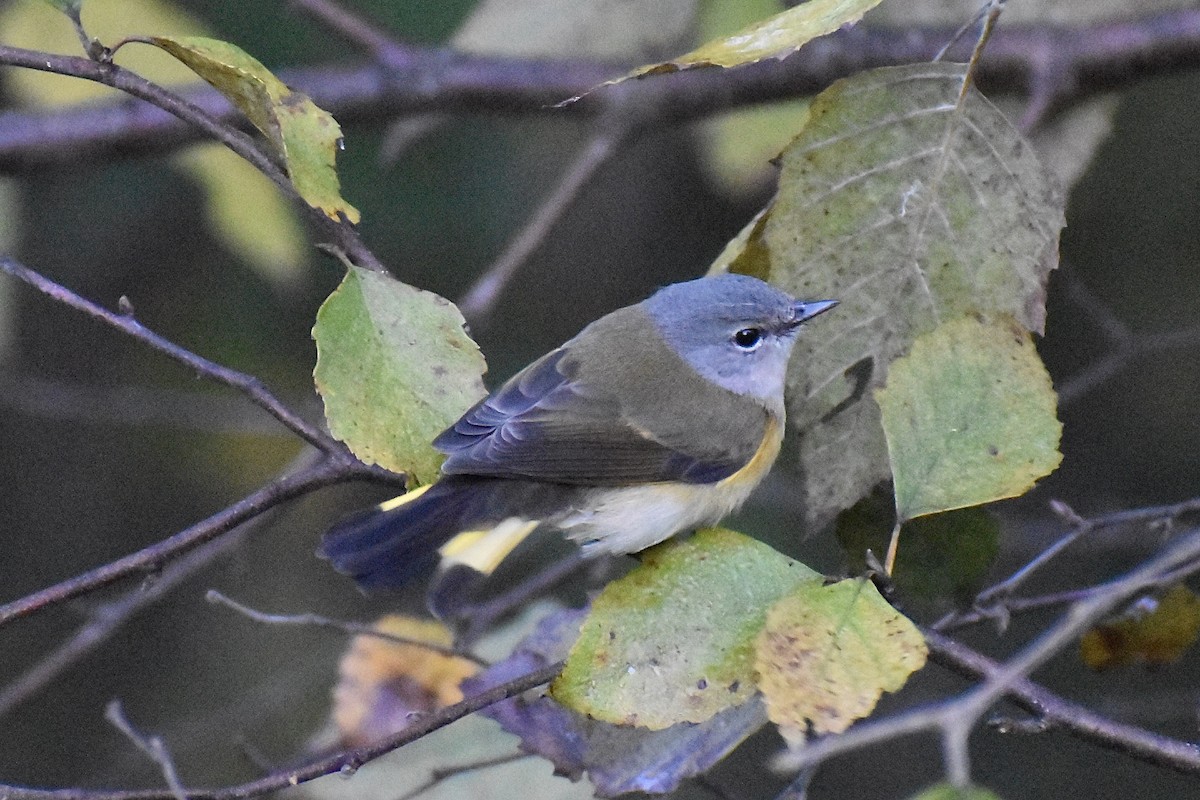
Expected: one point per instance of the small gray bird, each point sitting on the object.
(659, 417)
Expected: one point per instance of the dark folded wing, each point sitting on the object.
(544, 426)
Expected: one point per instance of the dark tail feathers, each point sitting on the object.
(385, 547)
(389, 545)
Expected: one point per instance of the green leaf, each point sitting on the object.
(946, 791)
(827, 653)
(1152, 632)
(395, 368)
(673, 641)
(910, 208)
(969, 417)
(945, 556)
(304, 136)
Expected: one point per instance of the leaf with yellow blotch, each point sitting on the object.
(1153, 632)
(673, 640)
(827, 653)
(969, 416)
(395, 367)
(383, 683)
(305, 137)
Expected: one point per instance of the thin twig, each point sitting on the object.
(153, 746)
(481, 298)
(353, 628)
(1080, 527)
(346, 761)
(1124, 344)
(438, 775)
(249, 385)
(1008, 606)
(356, 29)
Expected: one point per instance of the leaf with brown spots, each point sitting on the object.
(827, 653)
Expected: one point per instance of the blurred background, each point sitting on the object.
(106, 447)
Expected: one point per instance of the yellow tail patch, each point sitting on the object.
(483, 550)
(403, 499)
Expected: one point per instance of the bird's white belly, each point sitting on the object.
(630, 519)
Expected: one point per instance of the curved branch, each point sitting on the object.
(199, 122)
(249, 385)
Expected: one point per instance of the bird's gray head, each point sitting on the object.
(734, 330)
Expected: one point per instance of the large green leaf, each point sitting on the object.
(673, 641)
(395, 367)
(911, 208)
(969, 417)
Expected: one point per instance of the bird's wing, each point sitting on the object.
(542, 425)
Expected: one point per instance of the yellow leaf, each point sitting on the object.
(827, 653)
(383, 683)
(1154, 632)
(306, 137)
(774, 37)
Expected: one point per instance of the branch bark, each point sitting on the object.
(1055, 65)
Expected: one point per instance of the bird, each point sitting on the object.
(659, 417)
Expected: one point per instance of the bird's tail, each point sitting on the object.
(467, 521)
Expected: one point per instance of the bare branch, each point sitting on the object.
(955, 719)
(1125, 346)
(151, 559)
(105, 620)
(318, 621)
(249, 385)
(477, 304)
(1081, 61)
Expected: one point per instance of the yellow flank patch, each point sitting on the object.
(762, 461)
(483, 550)
(403, 499)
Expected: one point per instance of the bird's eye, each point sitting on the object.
(747, 338)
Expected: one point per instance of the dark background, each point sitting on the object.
(80, 489)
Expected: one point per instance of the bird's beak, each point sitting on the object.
(807, 309)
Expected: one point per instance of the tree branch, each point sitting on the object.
(954, 719)
(152, 558)
(1061, 64)
(249, 385)
(200, 123)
